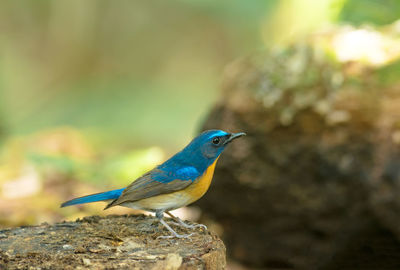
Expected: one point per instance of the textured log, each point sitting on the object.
(320, 163)
(113, 242)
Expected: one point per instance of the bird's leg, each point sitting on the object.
(181, 223)
(160, 216)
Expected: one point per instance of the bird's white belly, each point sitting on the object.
(165, 202)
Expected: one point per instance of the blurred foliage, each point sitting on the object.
(295, 19)
(55, 163)
(390, 74)
(376, 12)
(115, 67)
(93, 93)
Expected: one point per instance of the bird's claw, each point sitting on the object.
(200, 226)
(190, 226)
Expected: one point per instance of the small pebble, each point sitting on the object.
(67, 247)
(86, 261)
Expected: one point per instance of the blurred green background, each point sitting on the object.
(94, 93)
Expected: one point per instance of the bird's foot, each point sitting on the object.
(176, 235)
(183, 224)
(190, 226)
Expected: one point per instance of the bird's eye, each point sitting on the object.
(216, 140)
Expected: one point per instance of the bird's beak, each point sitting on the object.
(234, 136)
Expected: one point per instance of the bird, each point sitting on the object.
(179, 181)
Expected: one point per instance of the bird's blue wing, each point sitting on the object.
(166, 175)
(156, 182)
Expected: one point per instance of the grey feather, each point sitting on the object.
(145, 187)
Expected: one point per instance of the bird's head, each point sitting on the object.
(210, 144)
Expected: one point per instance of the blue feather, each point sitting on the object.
(108, 195)
(171, 173)
(198, 155)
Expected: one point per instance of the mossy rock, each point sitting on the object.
(112, 242)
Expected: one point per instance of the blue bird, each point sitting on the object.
(179, 181)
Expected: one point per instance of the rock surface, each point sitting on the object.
(113, 242)
(320, 164)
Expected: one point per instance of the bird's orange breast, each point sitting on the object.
(201, 184)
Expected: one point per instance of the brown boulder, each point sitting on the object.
(301, 184)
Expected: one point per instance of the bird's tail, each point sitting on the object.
(103, 196)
